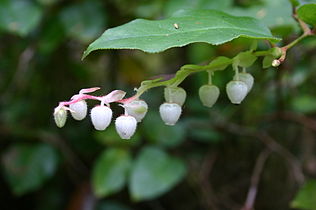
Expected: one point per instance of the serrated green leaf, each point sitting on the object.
(154, 173)
(305, 198)
(19, 17)
(307, 13)
(110, 171)
(27, 167)
(210, 26)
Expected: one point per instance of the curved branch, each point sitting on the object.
(255, 178)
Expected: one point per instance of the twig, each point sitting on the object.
(82, 198)
(270, 143)
(207, 165)
(22, 66)
(79, 169)
(306, 32)
(206, 168)
(299, 118)
(201, 180)
(252, 192)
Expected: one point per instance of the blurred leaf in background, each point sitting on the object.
(307, 13)
(175, 5)
(19, 17)
(110, 171)
(27, 167)
(155, 131)
(205, 160)
(111, 138)
(111, 205)
(154, 172)
(84, 21)
(306, 196)
(272, 13)
(47, 2)
(304, 104)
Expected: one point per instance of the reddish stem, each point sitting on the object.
(79, 98)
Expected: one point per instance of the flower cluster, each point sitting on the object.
(101, 115)
(236, 90)
(136, 109)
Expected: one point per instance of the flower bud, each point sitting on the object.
(175, 95)
(125, 126)
(208, 95)
(236, 91)
(137, 109)
(79, 110)
(60, 116)
(276, 63)
(246, 78)
(101, 117)
(170, 113)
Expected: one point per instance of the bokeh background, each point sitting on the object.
(208, 160)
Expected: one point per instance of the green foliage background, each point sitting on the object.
(204, 162)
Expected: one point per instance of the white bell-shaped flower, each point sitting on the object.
(246, 78)
(137, 109)
(170, 113)
(208, 95)
(236, 91)
(101, 117)
(175, 95)
(125, 126)
(79, 110)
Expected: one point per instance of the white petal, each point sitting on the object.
(246, 78)
(236, 91)
(101, 117)
(79, 110)
(170, 113)
(125, 126)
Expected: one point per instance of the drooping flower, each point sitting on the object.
(101, 117)
(236, 91)
(125, 126)
(208, 95)
(79, 110)
(137, 109)
(170, 113)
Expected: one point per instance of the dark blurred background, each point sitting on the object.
(218, 150)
